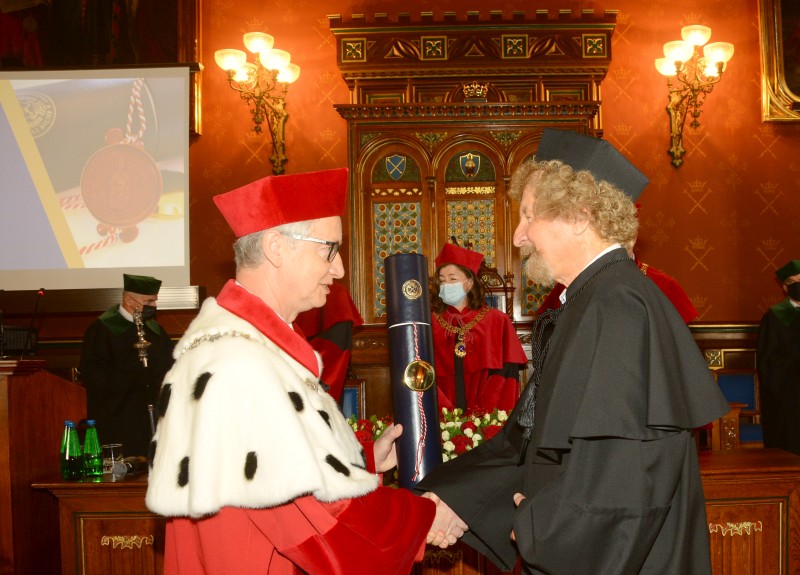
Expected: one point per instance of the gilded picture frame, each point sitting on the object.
(780, 60)
(148, 33)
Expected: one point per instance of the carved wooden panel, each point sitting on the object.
(441, 114)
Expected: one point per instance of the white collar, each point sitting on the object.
(124, 313)
(563, 295)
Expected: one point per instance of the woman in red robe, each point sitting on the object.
(477, 353)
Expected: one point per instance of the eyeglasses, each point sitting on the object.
(333, 247)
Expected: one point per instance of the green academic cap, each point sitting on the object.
(790, 269)
(144, 285)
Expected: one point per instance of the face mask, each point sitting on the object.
(452, 294)
(794, 291)
(148, 312)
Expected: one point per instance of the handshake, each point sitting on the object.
(447, 527)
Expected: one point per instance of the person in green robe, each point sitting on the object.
(778, 363)
(120, 384)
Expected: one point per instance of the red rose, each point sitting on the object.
(469, 425)
(490, 431)
(363, 436)
(366, 425)
(462, 443)
(478, 412)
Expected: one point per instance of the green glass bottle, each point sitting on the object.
(65, 436)
(71, 456)
(92, 453)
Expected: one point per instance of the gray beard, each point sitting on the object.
(536, 269)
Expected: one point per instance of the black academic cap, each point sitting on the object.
(597, 156)
(144, 285)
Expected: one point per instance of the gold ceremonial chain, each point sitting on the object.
(142, 344)
(461, 345)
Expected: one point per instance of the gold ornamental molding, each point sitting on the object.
(431, 139)
(506, 138)
(485, 110)
(375, 45)
(520, 73)
(477, 190)
(779, 103)
(475, 90)
(367, 137)
(395, 192)
(435, 557)
(126, 541)
(714, 358)
(731, 529)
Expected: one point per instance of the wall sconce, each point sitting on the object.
(690, 76)
(263, 85)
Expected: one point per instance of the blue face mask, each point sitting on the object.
(452, 294)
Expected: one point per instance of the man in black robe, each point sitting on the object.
(119, 386)
(596, 470)
(778, 362)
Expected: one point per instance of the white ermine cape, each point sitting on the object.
(244, 424)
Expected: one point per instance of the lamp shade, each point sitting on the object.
(695, 34)
(678, 51)
(718, 52)
(289, 74)
(230, 59)
(246, 74)
(275, 59)
(666, 67)
(258, 42)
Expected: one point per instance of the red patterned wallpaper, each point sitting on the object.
(721, 223)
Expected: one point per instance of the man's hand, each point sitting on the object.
(384, 449)
(447, 527)
(518, 498)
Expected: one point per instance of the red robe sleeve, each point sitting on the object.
(382, 532)
(673, 290)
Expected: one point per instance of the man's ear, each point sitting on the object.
(581, 223)
(273, 245)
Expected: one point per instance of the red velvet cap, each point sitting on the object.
(453, 254)
(278, 200)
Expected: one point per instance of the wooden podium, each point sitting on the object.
(33, 406)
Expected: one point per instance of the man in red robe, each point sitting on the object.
(252, 461)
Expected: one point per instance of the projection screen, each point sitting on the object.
(94, 177)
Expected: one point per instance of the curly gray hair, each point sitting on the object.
(566, 194)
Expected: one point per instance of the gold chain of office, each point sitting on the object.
(461, 345)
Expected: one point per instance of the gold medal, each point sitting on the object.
(419, 375)
(461, 346)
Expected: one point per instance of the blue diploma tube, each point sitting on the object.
(412, 373)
